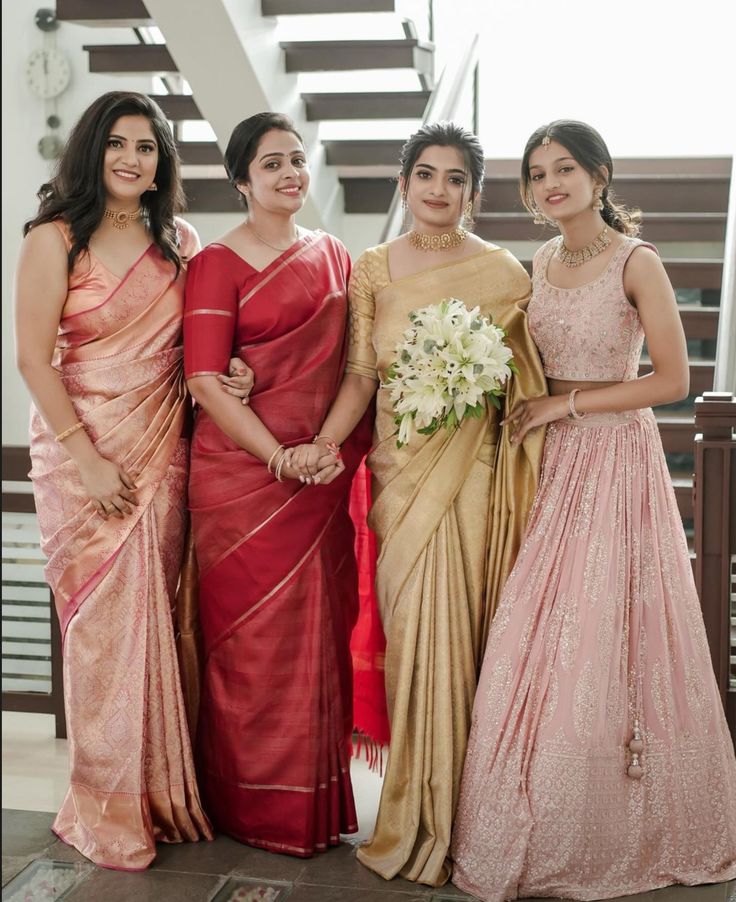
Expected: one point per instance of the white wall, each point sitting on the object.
(655, 77)
(23, 170)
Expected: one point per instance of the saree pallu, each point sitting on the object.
(599, 624)
(114, 582)
(278, 581)
(448, 515)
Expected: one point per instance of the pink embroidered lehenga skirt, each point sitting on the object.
(599, 625)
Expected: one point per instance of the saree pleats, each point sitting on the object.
(114, 581)
(278, 579)
(437, 506)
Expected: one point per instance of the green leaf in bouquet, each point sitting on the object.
(430, 345)
(512, 366)
(495, 399)
(451, 421)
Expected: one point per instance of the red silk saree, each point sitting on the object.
(119, 356)
(278, 581)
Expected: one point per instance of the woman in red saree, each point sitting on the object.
(278, 582)
(99, 305)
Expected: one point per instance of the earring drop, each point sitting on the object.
(597, 201)
(539, 218)
(467, 218)
(153, 187)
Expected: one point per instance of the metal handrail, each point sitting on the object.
(725, 371)
(442, 105)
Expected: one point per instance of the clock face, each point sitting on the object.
(47, 72)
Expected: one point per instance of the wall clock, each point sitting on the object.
(48, 72)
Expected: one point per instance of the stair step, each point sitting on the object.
(296, 7)
(677, 433)
(684, 272)
(211, 196)
(111, 13)
(656, 227)
(699, 322)
(701, 374)
(139, 58)
(177, 106)
(199, 153)
(363, 152)
(323, 56)
(367, 105)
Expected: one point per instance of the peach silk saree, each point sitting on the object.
(119, 355)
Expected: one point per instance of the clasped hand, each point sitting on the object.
(533, 413)
(312, 464)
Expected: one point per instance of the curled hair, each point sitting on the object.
(76, 192)
(243, 145)
(589, 149)
(446, 134)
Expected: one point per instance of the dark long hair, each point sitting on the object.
(589, 149)
(446, 134)
(76, 191)
(243, 145)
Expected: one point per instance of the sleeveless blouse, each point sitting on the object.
(590, 333)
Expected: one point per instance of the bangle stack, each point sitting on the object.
(279, 466)
(70, 431)
(573, 414)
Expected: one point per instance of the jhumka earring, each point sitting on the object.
(597, 200)
(539, 218)
(153, 187)
(404, 210)
(467, 218)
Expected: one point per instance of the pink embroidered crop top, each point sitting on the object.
(586, 334)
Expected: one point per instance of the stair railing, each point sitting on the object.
(715, 486)
(459, 79)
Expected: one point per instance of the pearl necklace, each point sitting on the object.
(121, 219)
(572, 259)
(441, 242)
(274, 247)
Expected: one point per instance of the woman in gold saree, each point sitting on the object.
(448, 509)
(99, 306)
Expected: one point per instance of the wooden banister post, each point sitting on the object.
(715, 534)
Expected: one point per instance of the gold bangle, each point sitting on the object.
(574, 415)
(270, 459)
(67, 432)
(279, 465)
(328, 438)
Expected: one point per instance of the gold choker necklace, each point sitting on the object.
(572, 259)
(121, 219)
(423, 242)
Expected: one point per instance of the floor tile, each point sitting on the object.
(26, 832)
(147, 886)
(221, 856)
(340, 867)
(268, 865)
(714, 892)
(47, 880)
(12, 864)
(35, 763)
(242, 889)
(305, 893)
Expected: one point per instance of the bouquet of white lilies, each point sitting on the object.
(448, 362)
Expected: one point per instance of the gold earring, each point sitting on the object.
(597, 201)
(539, 217)
(153, 187)
(467, 217)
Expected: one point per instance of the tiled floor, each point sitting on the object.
(35, 775)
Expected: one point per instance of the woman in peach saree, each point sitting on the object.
(99, 321)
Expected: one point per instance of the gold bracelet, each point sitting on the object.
(270, 459)
(67, 432)
(574, 415)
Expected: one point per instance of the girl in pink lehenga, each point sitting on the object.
(599, 762)
(99, 306)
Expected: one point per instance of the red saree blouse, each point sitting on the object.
(278, 582)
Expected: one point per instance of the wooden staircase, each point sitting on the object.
(685, 200)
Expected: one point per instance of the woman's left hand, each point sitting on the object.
(239, 380)
(533, 413)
